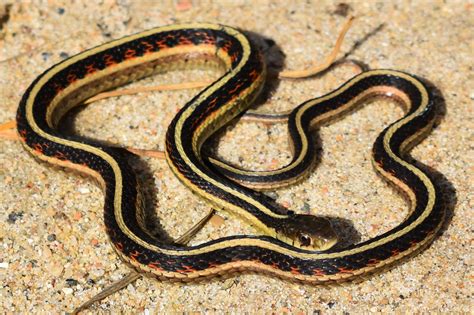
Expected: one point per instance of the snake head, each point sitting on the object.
(308, 232)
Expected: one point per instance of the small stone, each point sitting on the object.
(306, 208)
(46, 254)
(71, 282)
(50, 211)
(67, 291)
(342, 9)
(51, 237)
(184, 5)
(64, 55)
(13, 216)
(216, 220)
(98, 273)
(84, 190)
(77, 215)
(67, 271)
(45, 55)
(56, 269)
(4, 265)
(271, 194)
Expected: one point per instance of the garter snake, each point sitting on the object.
(293, 245)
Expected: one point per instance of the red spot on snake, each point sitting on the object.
(161, 44)
(185, 41)
(253, 75)
(22, 134)
(109, 60)
(130, 53)
(209, 108)
(237, 86)
(155, 265)
(58, 88)
(60, 156)
(318, 272)
(295, 270)
(233, 57)
(119, 246)
(134, 255)
(148, 47)
(213, 265)
(212, 103)
(226, 46)
(71, 78)
(91, 69)
(38, 148)
(205, 39)
(187, 269)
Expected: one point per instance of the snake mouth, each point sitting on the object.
(324, 244)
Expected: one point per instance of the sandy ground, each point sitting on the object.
(54, 251)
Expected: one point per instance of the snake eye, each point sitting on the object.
(305, 240)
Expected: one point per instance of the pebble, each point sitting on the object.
(84, 190)
(306, 208)
(216, 220)
(46, 253)
(98, 272)
(77, 215)
(46, 55)
(56, 269)
(71, 282)
(67, 291)
(272, 194)
(14, 216)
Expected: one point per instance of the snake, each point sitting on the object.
(290, 245)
